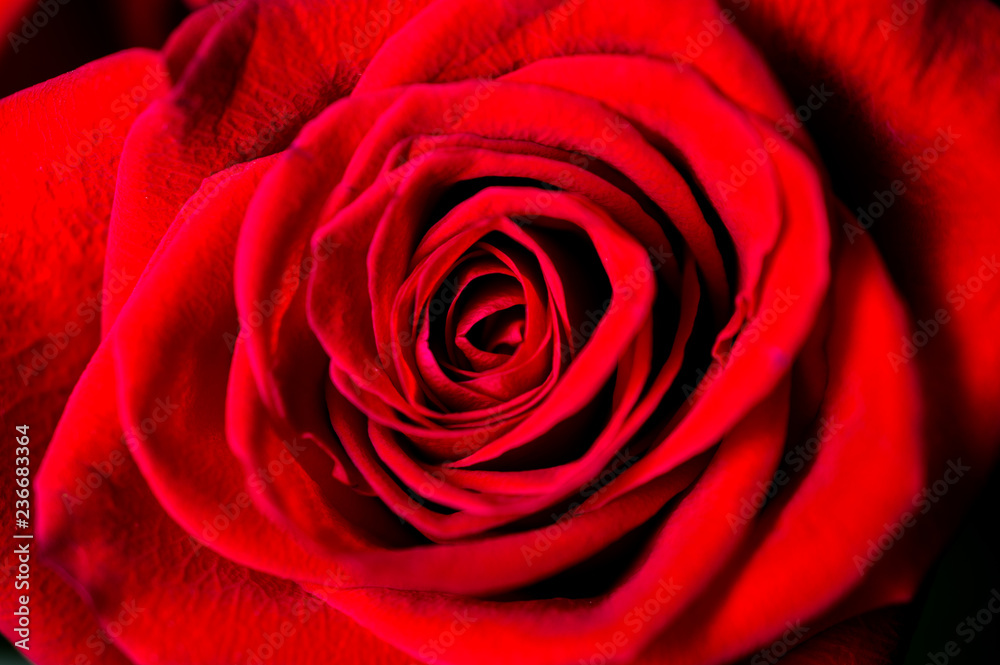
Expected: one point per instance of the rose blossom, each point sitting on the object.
(490, 332)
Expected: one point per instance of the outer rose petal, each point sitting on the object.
(732, 617)
(197, 132)
(63, 624)
(870, 639)
(56, 203)
(887, 582)
(900, 86)
(518, 34)
(54, 252)
(558, 630)
(165, 318)
(831, 509)
(940, 69)
(238, 100)
(172, 367)
(126, 554)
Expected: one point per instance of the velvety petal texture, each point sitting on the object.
(64, 140)
(478, 332)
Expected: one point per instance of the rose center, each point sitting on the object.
(499, 333)
(486, 324)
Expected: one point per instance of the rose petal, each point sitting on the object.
(55, 221)
(235, 102)
(136, 566)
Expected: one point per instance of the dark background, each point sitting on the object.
(81, 31)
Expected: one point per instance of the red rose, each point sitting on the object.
(490, 332)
